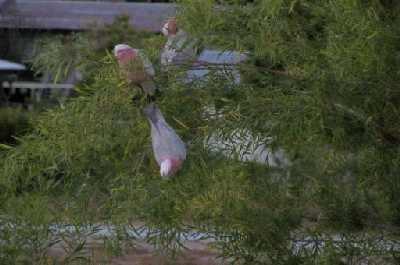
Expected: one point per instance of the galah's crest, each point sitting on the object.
(169, 150)
(136, 67)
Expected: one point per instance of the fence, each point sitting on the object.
(28, 94)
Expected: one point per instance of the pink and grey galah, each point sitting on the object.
(169, 149)
(136, 67)
(179, 49)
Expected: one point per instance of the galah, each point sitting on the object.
(170, 28)
(168, 148)
(136, 67)
(178, 49)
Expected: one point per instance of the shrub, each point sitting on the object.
(320, 83)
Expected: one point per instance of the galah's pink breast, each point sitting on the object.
(125, 56)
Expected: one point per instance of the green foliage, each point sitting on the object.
(51, 58)
(321, 83)
(324, 75)
(58, 55)
(13, 122)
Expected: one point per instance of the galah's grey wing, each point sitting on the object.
(166, 143)
(178, 49)
(171, 144)
(148, 86)
(148, 66)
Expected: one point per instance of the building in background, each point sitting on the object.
(23, 21)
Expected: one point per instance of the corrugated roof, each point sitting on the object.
(78, 15)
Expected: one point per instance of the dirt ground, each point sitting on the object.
(197, 253)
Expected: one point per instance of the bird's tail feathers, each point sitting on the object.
(153, 113)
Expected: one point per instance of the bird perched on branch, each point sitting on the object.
(178, 48)
(169, 150)
(136, 67)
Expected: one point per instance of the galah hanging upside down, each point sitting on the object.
(178, 49)
(169, 150)
(181, 50)
(136, 67)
